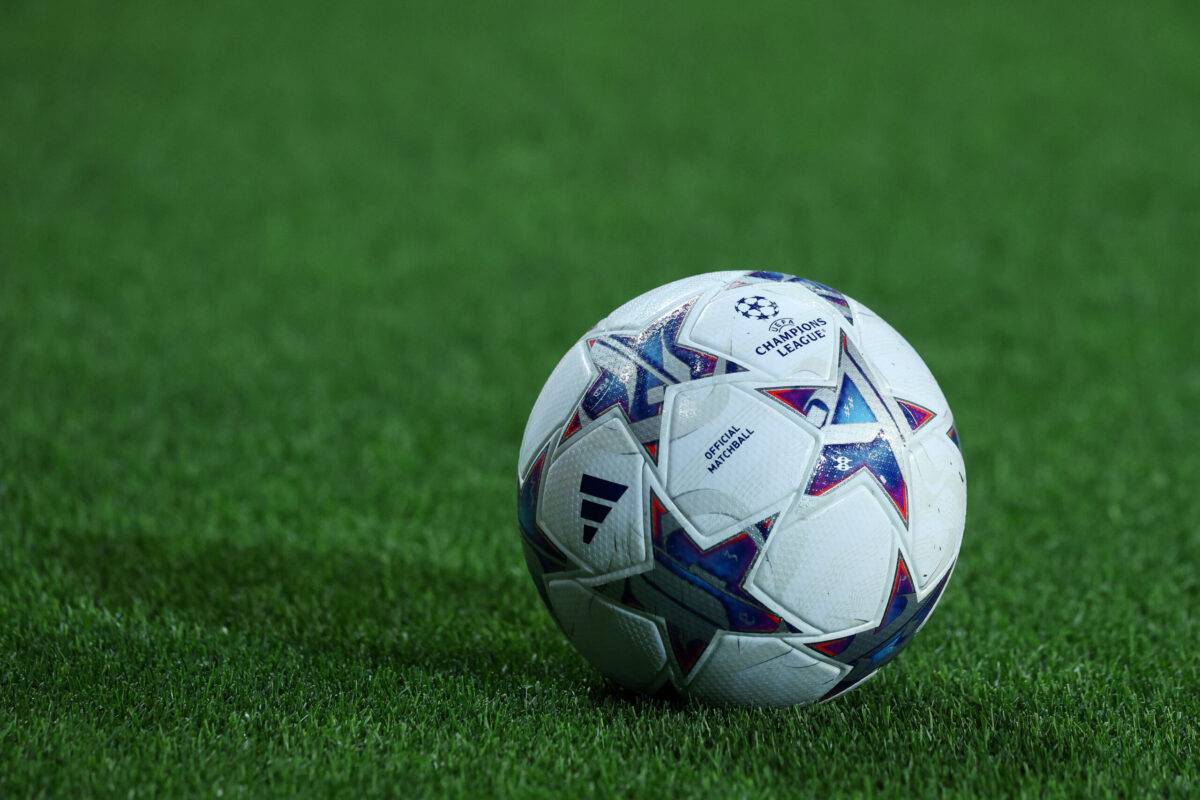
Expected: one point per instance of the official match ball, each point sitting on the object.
(744, 487)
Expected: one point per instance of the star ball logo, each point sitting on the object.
(757, 307)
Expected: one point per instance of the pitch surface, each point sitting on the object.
(278, 285)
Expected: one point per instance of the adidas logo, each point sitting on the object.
(590, 510)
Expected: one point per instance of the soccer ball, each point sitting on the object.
(744, 487)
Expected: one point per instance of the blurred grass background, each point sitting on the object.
(279, 283)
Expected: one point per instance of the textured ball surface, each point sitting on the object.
(744, 486)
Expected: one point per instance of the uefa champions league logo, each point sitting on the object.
(757, 307)
(781, 324)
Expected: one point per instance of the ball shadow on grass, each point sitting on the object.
(356, 611)
(370, 610)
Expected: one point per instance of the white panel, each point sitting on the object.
(781, 330)
(647, 307)
(938, 511)
(832, 569)
(758, 670)
(557, 401)
(730, 454)
(897, 362)
(619, 643)
(608, 452)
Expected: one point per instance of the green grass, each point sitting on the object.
(280, 281)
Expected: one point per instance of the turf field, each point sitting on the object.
(280, 281)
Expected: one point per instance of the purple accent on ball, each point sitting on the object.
(768, 275)
(866, 652)
(765, 527)
(902, 588)
(827, 293)
(916, 415)
(796, 398)
(649, 350)
(728, 562)
(719, 572)
(548, 554)
(839, 462)
(832, 295)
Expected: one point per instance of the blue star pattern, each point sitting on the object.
(634, 371)
(840, 461)
(821, 290)
(541, 555)
(868, 651)
(837, 463)
(699, 592)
